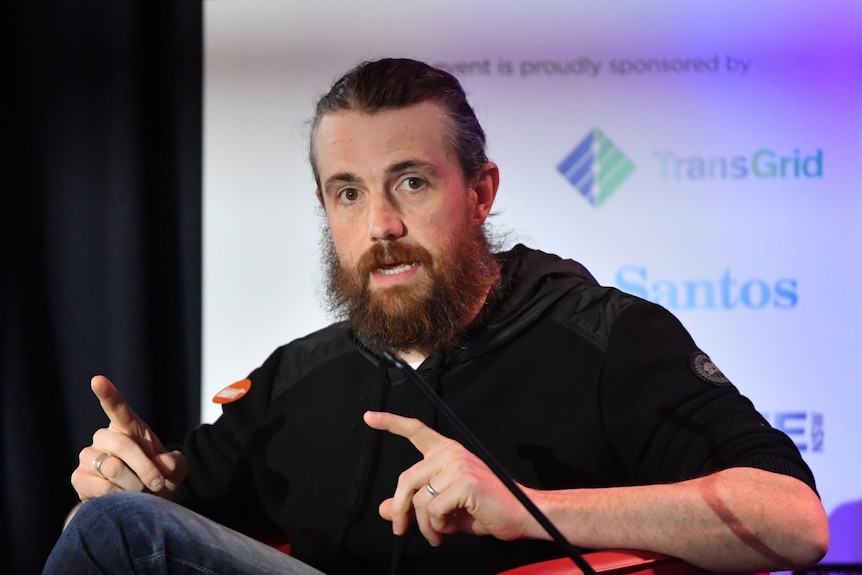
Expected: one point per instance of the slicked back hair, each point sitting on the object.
(394, 83)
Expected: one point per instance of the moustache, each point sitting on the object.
(382, 255)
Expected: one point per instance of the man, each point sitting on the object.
(599, 404)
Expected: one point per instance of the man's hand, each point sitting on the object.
(126, 455)
(468, 498)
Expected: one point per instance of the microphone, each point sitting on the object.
(482, 453)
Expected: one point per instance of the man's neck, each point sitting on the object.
(412, 357)
(417, 356)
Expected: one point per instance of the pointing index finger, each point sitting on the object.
(420, 435)
(115, 407)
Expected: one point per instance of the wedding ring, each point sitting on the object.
(431, 490)
(97, 463)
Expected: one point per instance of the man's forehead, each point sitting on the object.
(417, 131)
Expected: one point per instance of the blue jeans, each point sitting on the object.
(138, 533)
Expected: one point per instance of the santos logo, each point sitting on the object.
(596, 167)
(764, 164)
(724, 292)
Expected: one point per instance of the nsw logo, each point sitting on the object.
(807, 429)
(596, 167)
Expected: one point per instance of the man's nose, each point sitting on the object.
(385, 220)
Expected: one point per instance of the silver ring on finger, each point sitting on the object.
(431, 490)
(97, 463)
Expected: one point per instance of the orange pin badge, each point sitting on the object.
(233, 392)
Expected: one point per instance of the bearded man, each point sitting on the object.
(598, 403)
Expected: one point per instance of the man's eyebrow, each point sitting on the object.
(342, 177)
(410, 165)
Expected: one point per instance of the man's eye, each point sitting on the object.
(413, 183)
(350, 195)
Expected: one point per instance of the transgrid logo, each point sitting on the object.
(596, 167)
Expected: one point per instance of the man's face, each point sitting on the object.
(408, 260)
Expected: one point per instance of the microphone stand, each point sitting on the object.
(480, 451)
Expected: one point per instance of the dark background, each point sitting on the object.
(101, 238)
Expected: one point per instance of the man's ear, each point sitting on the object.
(319, 197)
(484, 189)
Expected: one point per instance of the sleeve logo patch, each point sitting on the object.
(703, 367)
(233, 392)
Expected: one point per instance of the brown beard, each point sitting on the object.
(427, 316)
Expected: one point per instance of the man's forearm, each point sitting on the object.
(736, 519)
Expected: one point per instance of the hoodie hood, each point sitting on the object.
(531, 282)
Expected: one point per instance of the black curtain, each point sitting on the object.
(100, 232)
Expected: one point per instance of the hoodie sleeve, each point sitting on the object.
(670, 412)
(219, 483)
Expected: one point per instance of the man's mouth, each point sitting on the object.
(395, 269)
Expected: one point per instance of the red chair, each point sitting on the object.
(613, 562)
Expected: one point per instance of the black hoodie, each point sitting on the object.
(567, 383)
